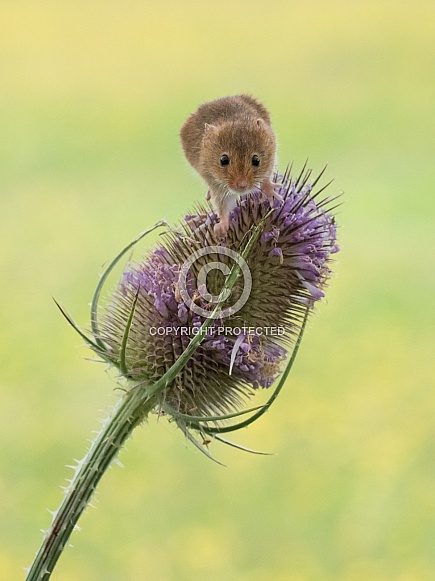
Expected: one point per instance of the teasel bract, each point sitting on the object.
(198, 326)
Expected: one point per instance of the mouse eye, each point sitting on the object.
(225, 160)
(255, 160)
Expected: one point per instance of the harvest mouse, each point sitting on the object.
(231, 144)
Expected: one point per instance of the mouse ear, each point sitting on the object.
(260, 122)
(210, 128)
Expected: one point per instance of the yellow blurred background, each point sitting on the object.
(92, 96)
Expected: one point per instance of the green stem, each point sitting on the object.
(129, 412)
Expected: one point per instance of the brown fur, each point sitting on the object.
(239, 127)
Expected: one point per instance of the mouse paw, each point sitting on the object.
(221, 229)
(268, 189)
(208, 196)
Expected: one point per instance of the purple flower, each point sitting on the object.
(247, 343)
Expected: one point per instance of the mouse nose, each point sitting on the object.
(241, 183)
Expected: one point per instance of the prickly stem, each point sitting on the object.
(130, 411)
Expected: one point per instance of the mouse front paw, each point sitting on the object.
(268, 189)
(221, 229)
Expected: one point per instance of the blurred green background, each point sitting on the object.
(92, 96)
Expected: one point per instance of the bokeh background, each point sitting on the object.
(92, 95)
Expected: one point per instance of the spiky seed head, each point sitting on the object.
(289, 269)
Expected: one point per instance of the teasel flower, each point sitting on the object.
(200, 325)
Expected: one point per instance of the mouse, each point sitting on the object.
(231, 144)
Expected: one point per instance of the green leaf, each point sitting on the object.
(122, 362)
(239, 446)
(103, 278)
(178, 415)
(101, 352)
(195, 442)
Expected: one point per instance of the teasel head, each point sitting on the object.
(206, 323)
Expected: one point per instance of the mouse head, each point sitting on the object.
(239, 154)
